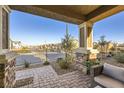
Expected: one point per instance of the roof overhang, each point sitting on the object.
(76, 14)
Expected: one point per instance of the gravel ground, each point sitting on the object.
(37, 58)
(113, 62)
(60, 71)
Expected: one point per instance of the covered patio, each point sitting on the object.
(83, 15)
(46, 77)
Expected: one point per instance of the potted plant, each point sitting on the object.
(89, 64)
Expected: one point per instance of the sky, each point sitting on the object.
(35, 30)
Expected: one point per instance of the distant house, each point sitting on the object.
(121, 47)
(15, 44)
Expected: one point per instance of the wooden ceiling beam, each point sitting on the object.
(70, 16)
(49, 14)
(103, 12)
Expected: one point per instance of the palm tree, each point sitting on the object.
(95, 45)
(102, 43)
(68, 43)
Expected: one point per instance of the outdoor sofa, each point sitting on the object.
(107, 76)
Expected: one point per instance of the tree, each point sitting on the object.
(102, 43)
(46, 55)
(107, 46)
(95, 45)
(115, 47)
(68, 44)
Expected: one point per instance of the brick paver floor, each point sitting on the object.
(46, 77)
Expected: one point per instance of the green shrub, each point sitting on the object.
(120, 57)
(62, 63)
(70, 58)
(26, 64)
(46, 63)
(59, 60)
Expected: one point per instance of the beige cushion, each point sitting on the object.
(114, 71)
(108, 82)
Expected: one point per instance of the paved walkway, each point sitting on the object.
(46, 77)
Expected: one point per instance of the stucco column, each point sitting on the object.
(4, 28)
(0, 28)
(86, 35)
(86, 41)
(7, 58)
